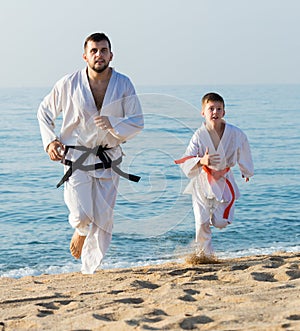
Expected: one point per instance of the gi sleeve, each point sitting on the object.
(244, 158)
(132, 122)
(48, 111)
(189, 167)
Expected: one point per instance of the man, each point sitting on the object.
(100, 111)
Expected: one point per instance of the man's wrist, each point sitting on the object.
(56, 139)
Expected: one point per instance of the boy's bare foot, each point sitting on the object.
(76, 244)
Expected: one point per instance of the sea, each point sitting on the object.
(153, 219)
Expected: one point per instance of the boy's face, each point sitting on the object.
(213, 111)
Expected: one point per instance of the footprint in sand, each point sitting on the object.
(44, 313)
(135, 301)
(154, 316)
(263, 277)
(189, 295)
(293, 271)
(207, 277)
(109, 317)
(191, 291)
(51, 307)
(115, 292)
(295, 317)
(288, 272)
(239, 267)
(187, 298)
(277, 259)
(191, 322)
(144, 284)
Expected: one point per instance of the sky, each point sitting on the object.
(155, 42)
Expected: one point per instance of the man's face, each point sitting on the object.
(97, 55)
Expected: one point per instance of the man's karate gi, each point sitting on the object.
(91, 195)
(214, 189)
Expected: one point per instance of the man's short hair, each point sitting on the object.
(96, 37)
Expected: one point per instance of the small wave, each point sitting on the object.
(177, 256)
(258, 251)
(51, 270)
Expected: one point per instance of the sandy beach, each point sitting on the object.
(251, 293)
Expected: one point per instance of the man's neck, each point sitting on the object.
(97, 77)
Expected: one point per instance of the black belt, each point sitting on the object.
(99, 151)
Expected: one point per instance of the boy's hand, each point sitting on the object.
(210, 159)
(246, 178)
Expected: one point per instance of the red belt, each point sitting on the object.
(216, 175)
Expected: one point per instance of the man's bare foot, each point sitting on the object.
(76, 244)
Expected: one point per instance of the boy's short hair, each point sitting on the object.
(214, 97)
(96, 37)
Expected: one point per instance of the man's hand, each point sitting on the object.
(102, 122)
(55, 150)
(210, 159)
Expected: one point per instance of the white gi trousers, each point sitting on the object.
(208, 212)
(91, 202)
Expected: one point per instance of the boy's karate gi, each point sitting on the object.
(214, 189)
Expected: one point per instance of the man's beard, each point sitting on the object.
(99, 70)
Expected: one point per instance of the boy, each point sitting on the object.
(214, 148)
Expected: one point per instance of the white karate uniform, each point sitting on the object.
(91, 195)
(211, 197)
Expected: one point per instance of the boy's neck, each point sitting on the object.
(217, 127)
